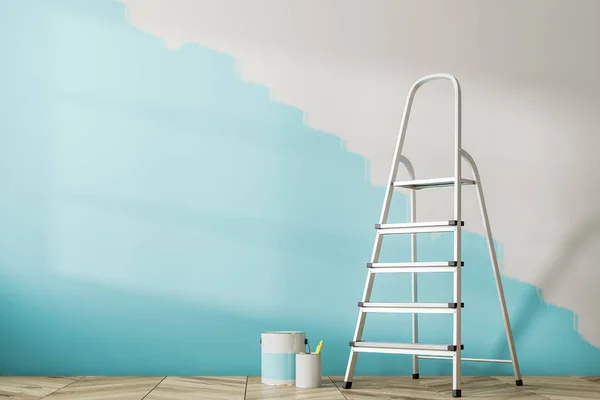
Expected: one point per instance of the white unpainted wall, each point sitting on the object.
(530, 73)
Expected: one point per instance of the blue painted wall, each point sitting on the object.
(157, 214)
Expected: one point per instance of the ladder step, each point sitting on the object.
(383, 268)
(412, 308)
(404, 348)
(490, 360)
(417, 227)
(431, 183)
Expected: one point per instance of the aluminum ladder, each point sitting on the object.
(417, 350)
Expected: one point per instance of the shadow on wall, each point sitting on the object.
(522, 322)
(162, 213)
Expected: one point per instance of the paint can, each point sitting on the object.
(308, 370)
(278, 356)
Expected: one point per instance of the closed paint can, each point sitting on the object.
(278, 356)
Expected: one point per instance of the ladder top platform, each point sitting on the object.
(431, 183)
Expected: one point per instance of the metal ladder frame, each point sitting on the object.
(458, 182)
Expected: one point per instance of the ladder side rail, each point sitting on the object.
(457, 323)
(386, 203)
(495, 267)
(457, 336)
(360, 323)
(371, 276)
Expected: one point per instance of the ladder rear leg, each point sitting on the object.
(496, 270)
(412, 217)
(414, 297)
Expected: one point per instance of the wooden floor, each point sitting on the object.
(225, 388)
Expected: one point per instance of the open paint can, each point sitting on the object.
(308, 370)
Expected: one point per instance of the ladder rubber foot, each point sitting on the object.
(415, 376)
(456, 393)
(519, 382)
(347, 385)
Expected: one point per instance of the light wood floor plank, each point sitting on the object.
(483, 387)
(107, 388)
(594, 379)
(387, 388)
(560, 388)
(233, 388)
(258, 391)
(205, 388)
(31, 387)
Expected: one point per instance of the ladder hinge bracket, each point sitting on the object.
(452, 347)
(453, 305)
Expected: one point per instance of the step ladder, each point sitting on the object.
(417, 350)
